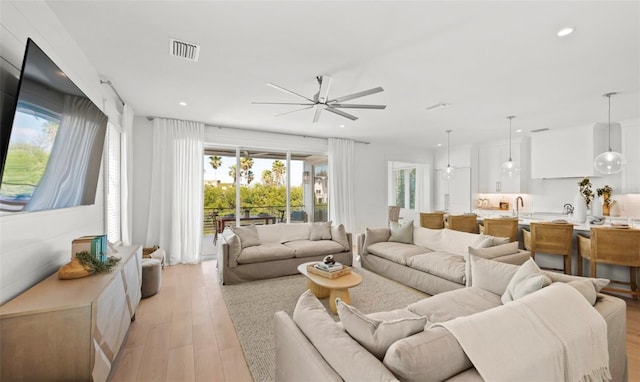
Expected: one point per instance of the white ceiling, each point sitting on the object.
(488, 59)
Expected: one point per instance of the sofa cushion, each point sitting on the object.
(308, 248)
(401, 233)
(495, 251)
(320, 231)
(265, 252)
(456, 303)
(281, 232)
(396, 252)
(429, 356)
(527, 279)
(375, 235)
(335, 345)
(377, 335)
(248, 235)
(442, 264)
(425, 236)
(339, 235)
(456, 242)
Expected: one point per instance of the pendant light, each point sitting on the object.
(448, 172)
(510, 168)
(609, 162)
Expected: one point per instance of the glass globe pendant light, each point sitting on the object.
(448, 172)
(609, 162)
(510, 168)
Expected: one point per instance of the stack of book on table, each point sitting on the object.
(329, 271)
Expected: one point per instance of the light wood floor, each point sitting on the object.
(184, 333)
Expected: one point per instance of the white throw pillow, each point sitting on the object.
(248, 235)
(339, 235)
(495, 251)
(377, 335)
(320, 231)
(490, 275)
(587, 288)
(401, 233)
(526, 280)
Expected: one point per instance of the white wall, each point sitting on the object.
(33, 245)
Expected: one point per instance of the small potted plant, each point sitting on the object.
(585, 191)
(606, 193)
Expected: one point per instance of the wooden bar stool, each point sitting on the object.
(618, 247)
(503, 227)
(433, 220)
(584, 250)
(526, 239)
(553, 239)
(464, 223)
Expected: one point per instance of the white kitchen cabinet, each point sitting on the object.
(569, 152)
(70, 330)
(453, 195)
(631, 143)
(490, 159)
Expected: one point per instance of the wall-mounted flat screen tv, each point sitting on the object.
(52, 149)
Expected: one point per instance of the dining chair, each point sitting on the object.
(464, 223)
(553, 239)
(584, 250)
(502, 227)
(394, 214)
(618, 247)
(433, 220)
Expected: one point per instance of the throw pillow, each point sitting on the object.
(495, 251)
(320, 231)
(339, 235)
(490, 275)
(248, 235)
(401, 233)
(587, 288)
(483, 241)
(375, 235)
(561, 277)
(377, 335)
(527, 279)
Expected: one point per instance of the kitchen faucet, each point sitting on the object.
(518, 205)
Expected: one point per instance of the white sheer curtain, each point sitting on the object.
(341, 184)
(126, 169)
(175, 203)
(80, 133)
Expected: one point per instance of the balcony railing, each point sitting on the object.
(298, 214)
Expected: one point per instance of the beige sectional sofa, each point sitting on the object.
(430, 260)
(257, 252)
(411, 344)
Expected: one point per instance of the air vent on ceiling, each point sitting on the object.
(540, 130)
(183, 49)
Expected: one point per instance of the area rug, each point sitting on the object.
(253, 304)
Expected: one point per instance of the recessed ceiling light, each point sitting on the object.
(341, 125)
(519, 131)
(182, 103)
(439, 144)
(565, 31)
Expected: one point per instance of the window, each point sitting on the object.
(113, 176)
(404, 186)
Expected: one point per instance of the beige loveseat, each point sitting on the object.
(430, 260)
(311, 346)
(257, 252)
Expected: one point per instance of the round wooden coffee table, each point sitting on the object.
(323, 287)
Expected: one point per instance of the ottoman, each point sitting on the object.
(151, 277)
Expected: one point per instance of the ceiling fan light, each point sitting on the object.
(609, 162)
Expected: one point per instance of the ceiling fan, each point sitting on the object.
(321, 101)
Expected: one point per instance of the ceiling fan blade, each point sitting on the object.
(294, 111)
(323, 93)
(358, 94)
(288, 91)
(282, 103)
(342, 113)
(316, 116)
(357, 106)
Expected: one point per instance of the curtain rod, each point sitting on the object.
(150, 118)
(102, 82)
